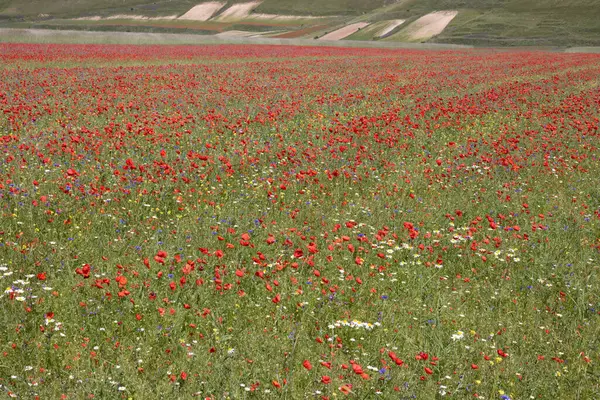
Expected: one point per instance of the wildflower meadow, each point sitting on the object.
(277, 222)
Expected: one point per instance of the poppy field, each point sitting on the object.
(239, 222)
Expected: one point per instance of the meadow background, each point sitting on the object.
(228, 221)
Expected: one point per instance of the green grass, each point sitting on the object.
(514, 23)
(164, 26)
(78, 8)
(523, 28)
(583, 50)
(75, 8)
(319, 7)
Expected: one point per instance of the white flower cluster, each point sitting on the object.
(356, 324)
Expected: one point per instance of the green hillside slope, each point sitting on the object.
(478, 22)
(73, 8)
(513, 22)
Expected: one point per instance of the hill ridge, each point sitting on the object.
(474, 22)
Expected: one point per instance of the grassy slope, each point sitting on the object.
(483, 22)
(74, 8)
(513, 22)
(77, 8)
(320, 7)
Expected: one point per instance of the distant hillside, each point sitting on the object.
(76, 8)
(477, 22)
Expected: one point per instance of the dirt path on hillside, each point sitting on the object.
(390, 27)
(344, 32)
(430, 25)
(238, 11)
(203, 12)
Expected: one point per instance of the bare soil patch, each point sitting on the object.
(203, 12)
(238, 11)
(430, 25)
(345, 31)
(390, 27)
